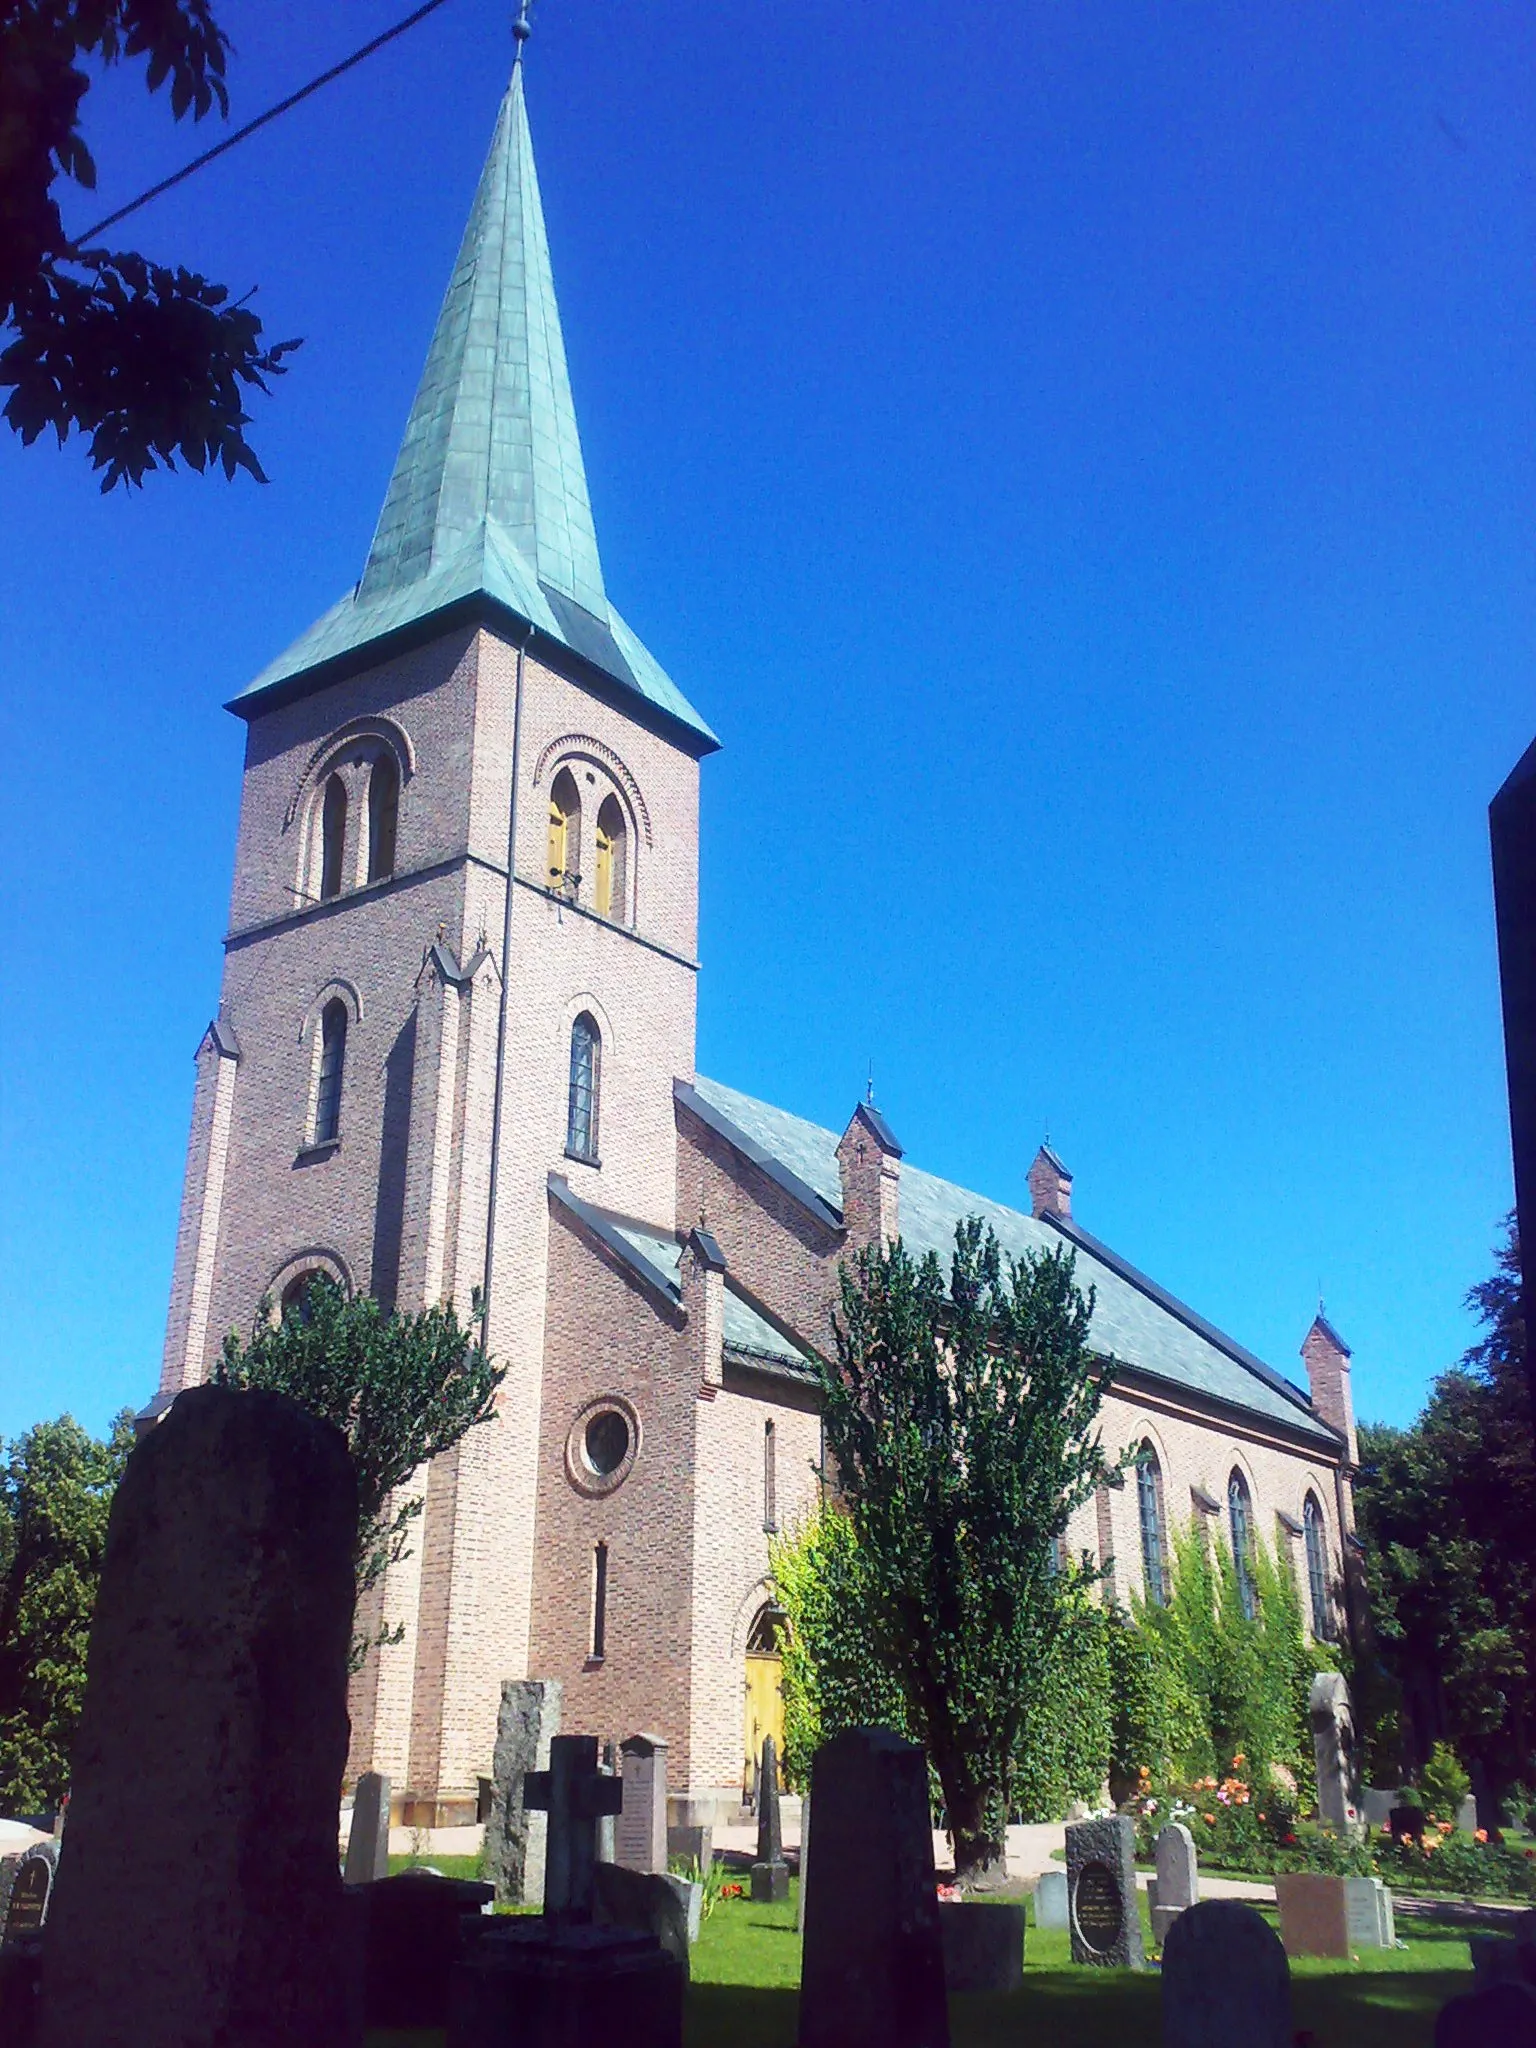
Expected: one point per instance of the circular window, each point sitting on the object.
(601, 1447)
(605, 1442)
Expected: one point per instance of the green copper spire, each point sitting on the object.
(492, 436)
(487, 509)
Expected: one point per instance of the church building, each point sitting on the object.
(454, 1050)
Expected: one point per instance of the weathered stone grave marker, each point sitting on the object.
(1406, 1823)
(640, 1829)
(1051, 1899)
(1369, 1920)
(805, 1856)
(368, 1837)
(1314, 1918)
(1225, 1980)
(872, 1972)
(1333, 1747)
(31, 1887)
(1177, 1884)
(526, 1722)
(606, 1843)
(573, 1793)
(207, 1766)
(1103, 1915)
(770, 1873)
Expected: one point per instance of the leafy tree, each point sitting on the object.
(56, 1489)
(151, 361)
(960, 1420)
(1446, 1510)
(402, 1388)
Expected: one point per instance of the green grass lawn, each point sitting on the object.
(746, 1979)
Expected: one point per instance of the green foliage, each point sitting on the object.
(1065, 1729)
(147, 359)
(960, 1419)
(832, 1676)
(1446, 1509)
(1443, 1782)
(56, 1490)
(402, 1388)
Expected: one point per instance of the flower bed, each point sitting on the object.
(1238, 1830)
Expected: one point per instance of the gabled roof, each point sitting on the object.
(1321, 1324)
(1135, 1322)
(487, 512)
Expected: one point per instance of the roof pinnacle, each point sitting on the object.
(521, 30)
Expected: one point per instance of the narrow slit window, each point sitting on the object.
(1150, 1508)
(333, 1057)
(333, 836)
(1240, 1513)
(599, 1602)
(582, 1098)
(770, 1481)
(1315, 1535)
(383, 817)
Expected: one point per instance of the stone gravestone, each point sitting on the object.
(1102, 1912)
(1333, 1746)
(1466, 1816)
(558, 1980)
(406, 1935)
(1178, 1878)
(1504, 2016)
(640, 1830)
(368, 1839)
(529, 1717)
(1051, 1899)
(1368, 1916)
(805, 1854)
(770, 1873)
(649, 1902)
(1406, 1823)
(30, 1888)
(1226, 1981)
(872, 1972)
(983, 1944)
(1314, 1914)
(206, 1773)
(605, 1833)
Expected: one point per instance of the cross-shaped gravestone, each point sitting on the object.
(575, 1795)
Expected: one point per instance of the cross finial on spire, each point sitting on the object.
(869, 1086)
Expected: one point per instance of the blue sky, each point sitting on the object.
(1079, 459)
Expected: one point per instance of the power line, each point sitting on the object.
(261, 120)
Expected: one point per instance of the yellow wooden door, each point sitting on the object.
(765, 1713)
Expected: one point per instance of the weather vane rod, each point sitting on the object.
(520, 30)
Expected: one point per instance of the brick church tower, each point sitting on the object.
(465, 887)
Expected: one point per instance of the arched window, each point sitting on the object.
(333, 1056)
(1240, 1512)
(610, 886)
(333, 836)
(1315, 1535)
(296, 1294)
(1149, 1503)
(383, 817)
(581, 1105)
(564, 835)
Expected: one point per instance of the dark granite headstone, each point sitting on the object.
(1406, 1823)
(1225, 1980)
(584, 1987)
(872, 1972)
(1102, 1912)
(407, 1933)
(575, 1795)
(1504, 2016)
(368, 1837)
(30, 1888)
(640, 1830)
(198, 1898)
(983, 1944)
(770, 1873)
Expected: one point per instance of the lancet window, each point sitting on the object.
(1240, 1514)
(582, 1099)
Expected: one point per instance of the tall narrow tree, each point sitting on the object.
(960, 1424)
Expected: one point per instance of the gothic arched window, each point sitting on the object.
(1315, 1535)
(333, 836)
(581, 1104)
(610, 884)
(383, 817)
(1240, 1513)
(1149, 1503)
(564, 835)
(333, 1056)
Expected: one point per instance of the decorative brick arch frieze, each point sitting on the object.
(315, 1258)
(312, 776)
(585, 1002)
(576, 746)
(762, 1593)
